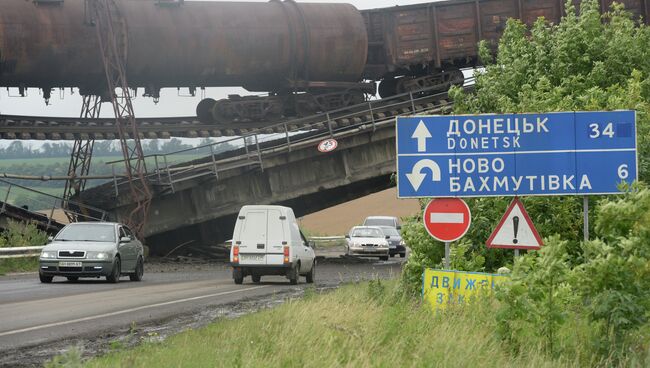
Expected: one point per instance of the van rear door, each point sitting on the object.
(252, 237)
(262, 232)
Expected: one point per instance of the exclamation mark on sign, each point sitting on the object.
(515, 223)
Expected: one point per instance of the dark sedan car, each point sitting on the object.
(395, 243)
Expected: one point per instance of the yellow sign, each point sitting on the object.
(445, 287)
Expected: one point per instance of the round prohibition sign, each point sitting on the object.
(447, 219)
(328, 145)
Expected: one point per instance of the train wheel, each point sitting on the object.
(204, 110)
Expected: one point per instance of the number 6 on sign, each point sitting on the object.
(623, 173)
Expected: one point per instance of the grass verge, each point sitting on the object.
(360, 325)
(29, 264)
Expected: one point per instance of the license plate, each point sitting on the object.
(69, 264)
(252, 257)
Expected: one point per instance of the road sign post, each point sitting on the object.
(447, 220)
(567, 153)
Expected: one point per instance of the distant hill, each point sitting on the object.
(339, 219)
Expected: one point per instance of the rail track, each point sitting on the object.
(16, 127)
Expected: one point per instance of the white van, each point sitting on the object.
(267, 241)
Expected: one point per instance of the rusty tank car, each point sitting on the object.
(280, 47)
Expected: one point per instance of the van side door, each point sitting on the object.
(308, 254)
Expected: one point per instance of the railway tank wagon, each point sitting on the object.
(424, 45)
(281, 47)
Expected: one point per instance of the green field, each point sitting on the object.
(359, 325)
(100, 160)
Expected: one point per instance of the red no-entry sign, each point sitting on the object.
(447, 219)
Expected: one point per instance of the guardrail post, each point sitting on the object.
(412, 102)
(155, 158)
(214, 163)
(169, 174)
(259, 153)
(4, 204)
(372, 116)
(117, 193)
(329, 124)
(49, 219)
(286, 133)
(245, 147)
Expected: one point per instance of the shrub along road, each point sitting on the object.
(38, 320)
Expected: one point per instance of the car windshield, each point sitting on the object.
(87, 232)
(379, 222)
(390, 231)
(367, 233)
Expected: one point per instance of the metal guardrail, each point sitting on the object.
(20, 252)
(327, 238)
(287, 135)
(52, 203)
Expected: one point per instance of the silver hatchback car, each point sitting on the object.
(92, 249)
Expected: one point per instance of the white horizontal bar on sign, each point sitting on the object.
(446, 218)
(517, 152)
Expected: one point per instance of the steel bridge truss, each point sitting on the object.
(111, 30)
(82, 152)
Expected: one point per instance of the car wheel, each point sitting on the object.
(45, 279)
(312, 274)
(384, 258)
(295, 275)
(72, 278)
(139, 271)
(256, 278)
(116, 272)
(402, 255)
(238, 276)
(392, 255)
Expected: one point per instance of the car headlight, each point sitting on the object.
(401, 242)
(97, 255)
(48, 254)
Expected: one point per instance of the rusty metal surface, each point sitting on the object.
(255, 45)
(447, 32)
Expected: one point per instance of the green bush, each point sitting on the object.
(22, 234)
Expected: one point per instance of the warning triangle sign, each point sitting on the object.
(515, 230)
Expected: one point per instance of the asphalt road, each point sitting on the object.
(33, 314)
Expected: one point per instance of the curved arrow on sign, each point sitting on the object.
(416, 177)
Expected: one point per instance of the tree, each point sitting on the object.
(587, 62)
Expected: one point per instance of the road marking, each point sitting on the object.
(90, 318)
(447, 218)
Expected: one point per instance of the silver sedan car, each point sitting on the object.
(92, 249)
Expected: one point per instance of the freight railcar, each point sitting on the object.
(425, 45)
(309, 57)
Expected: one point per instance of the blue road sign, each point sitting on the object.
(565, 153)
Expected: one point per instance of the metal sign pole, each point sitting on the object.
(447, 261)
(585, 207)
(516, 253)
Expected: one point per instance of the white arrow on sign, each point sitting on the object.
(421, 133)
(416, 176)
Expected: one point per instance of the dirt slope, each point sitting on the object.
(339, 219)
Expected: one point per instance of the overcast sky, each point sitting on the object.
(67, 104)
